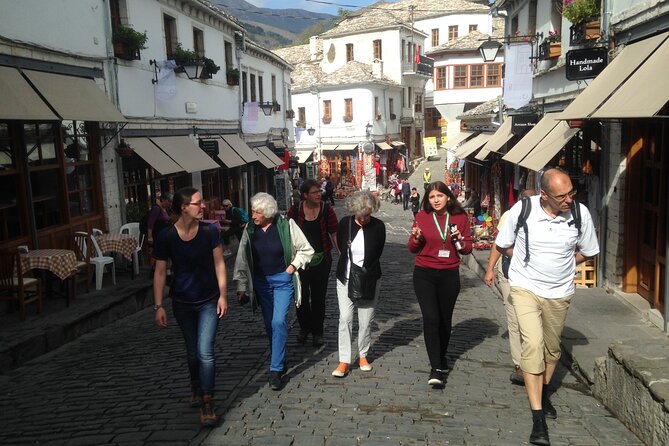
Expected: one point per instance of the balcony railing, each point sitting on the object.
(425, 67)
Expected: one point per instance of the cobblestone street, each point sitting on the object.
(127, 382)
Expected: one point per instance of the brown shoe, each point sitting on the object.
(208, 417)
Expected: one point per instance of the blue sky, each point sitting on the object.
(313, 6)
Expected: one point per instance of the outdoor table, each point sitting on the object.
(61, 262)
(125, 244)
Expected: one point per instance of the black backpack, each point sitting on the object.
(522, 223)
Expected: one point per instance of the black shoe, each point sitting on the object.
(302, 337)
(275, 380)
(436, 378)
(517, 377)
(547, 407)
(539, 433)
(317, 341)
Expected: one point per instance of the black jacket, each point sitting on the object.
(375, 240)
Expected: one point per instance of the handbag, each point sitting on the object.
(361, 284)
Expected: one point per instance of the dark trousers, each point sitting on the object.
(311, 312)
(405, 201)
(437, 291)
(232, 230)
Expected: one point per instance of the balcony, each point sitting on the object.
(424, 68)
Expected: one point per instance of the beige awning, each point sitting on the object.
(75, 98)
(384, 146)
(625, 63)
(483, 154)
(185, 152)
(329, 146)
(500, 137)
(19, 100)
(452, 141)
(303, 155)
(262, 158)
(644, 93)
(472, 145)
(275, 160)
(397, 143)
(532, 138)
(229, 156)
(238, 145)
(155, 157)
(549, 146)
(342, 147)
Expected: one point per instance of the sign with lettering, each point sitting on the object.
(430, 146)
(586, 63)
(209, 146)
(521, 124)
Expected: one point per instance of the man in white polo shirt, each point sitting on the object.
(542, 285)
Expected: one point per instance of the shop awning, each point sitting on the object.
(155, 157)
(500, 137)
(75, 98)
(238, 145)
(185, 152)
(384, 146)
(397, 143)
(329, 146)
(275, 160)
(262, 158)
(342, 147)
(615, 74)
(549, 146)
(303, 155)
(229, 156)
(472, 145)
(483, 154)
(452, 141)
(645, 93)
(19, 100)
(532, 138)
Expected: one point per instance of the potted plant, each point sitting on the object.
(290, 114)
(124, 150)
(300, 123)
(184, 57)
(135, 211)
(210, 68)
(551, 46)
(277, 106)
(127, 42)
(584, 16)
(232, 75)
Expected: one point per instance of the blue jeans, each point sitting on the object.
(198, 323)
(274, 294)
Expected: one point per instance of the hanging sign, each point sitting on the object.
(586, 63)
(209, 146)
(521, 124)
(430, 146)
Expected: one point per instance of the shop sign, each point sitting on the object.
(521, 124)
(585, 63)
(209, 146)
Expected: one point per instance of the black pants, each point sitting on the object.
(236, 231)
(405, 201)
(437, 291)
(311, 312)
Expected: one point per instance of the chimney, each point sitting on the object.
(313, 47)
(377, 68)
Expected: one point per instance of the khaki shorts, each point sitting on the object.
(540, 322)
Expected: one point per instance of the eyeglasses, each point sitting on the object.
(196, 203)
(563, 197)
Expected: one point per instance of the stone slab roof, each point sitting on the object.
(482, 110)
(472, 40)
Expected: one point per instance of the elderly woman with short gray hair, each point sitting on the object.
(361, 239)
(271, 251)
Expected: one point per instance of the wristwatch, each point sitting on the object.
(155, 307)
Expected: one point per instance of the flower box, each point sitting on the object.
(290, 114)
(580, 33)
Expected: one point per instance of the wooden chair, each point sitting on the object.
(82, 250)
(15, 287)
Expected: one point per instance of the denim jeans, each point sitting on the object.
(274, 294)
(198, 323)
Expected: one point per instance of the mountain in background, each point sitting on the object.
(272, 28)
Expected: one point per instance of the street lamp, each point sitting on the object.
(311, 131)
(489, 49)
(267, 108)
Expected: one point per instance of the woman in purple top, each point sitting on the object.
(158, 218)
(198, 292)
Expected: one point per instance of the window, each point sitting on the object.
(198, 42)
(170, 28)
(409, 93)
(418, 105)
(452, 32)
(514, 25)
(10, 183)
(494, 77)
(301, 115)
(273, 88)
(473, 28)
(403, 99)
(440, 78)
(252, 84)
(78, 169)
(40, 147)
(261, 97)
(476, 76)
(327, 112)
(349, 52)
(348, 110)
(228, 55)
(245, 83)
(432, 118)
(377, 110)
(460, 76)
(391, 107)
(404, 52)
(435, 37)
(377, 50)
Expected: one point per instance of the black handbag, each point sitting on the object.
(361, 284)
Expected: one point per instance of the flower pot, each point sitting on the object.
(592, 30)
(125, 152)
(122, 50)
(554, 50)
(232, 79)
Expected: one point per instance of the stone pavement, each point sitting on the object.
(126, 383)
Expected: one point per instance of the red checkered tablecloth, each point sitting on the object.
(121, 243)
(61, 262)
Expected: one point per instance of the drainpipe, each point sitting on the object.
(666, 270)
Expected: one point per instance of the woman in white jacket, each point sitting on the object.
(271, 251)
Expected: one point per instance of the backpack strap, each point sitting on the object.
(575, 209)
(522, 223)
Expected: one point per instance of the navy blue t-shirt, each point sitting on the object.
(267, 252)
(193, 273)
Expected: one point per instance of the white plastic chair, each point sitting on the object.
(133, 229)
(100, 261)
(96, 232)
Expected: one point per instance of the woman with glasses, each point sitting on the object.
(198, 292)
(271, 251)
